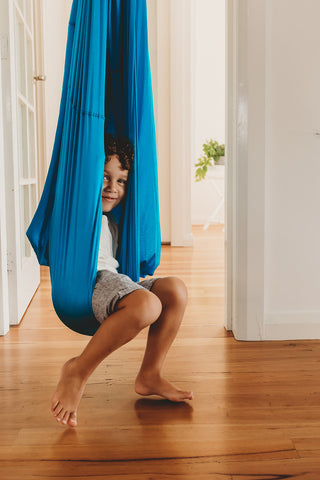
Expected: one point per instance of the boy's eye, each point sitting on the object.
(108, 179)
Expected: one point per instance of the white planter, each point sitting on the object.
(215, 172)
(220, 161)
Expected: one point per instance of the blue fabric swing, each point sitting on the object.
(106, 87)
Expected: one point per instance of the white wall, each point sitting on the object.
(209, 97)
(292, 236)
(276, 261)
(55, 22)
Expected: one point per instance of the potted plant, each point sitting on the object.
(213, 154)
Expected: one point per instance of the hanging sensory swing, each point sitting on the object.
(106, 88)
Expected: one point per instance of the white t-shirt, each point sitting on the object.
(108, 245)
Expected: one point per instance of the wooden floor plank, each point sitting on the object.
(256, 412)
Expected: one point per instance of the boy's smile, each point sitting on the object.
(114, 183)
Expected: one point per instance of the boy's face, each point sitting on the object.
(114, 183)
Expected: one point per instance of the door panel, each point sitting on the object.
(24, 135)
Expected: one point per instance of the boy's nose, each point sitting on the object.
(110, 186)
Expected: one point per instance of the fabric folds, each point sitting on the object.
(106, 87)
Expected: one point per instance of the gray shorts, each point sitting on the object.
(111, 287)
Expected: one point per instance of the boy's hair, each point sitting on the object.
(122, 147)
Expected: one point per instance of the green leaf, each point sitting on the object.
(212, 151)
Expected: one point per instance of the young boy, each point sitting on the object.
(123, 307)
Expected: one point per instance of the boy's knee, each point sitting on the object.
(144, 308)
(148, 310)
(176, 292)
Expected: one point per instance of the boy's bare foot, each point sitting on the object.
(156, 385)
(68, 394)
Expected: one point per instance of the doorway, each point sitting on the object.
(208, 194)
(173, 43)
(207, 204)
(168, 76)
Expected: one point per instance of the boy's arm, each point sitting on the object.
(114, 229)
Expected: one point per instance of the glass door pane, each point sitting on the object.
(29, 72)
(20, 55)
(32, 146)
(33, 200)
(21, 5)
(24, 62)
(24, 220)
(28, 14)
(23, 140)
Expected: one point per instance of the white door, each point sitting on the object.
(23, 266)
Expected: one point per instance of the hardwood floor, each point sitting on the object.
(256, 412)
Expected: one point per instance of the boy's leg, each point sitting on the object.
(173, 295)
(134, 312)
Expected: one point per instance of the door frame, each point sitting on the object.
(4, 292)
(246, 160)
(40, 94)
(231, 163)
(11, 175)
(182, 114)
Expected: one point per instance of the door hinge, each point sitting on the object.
(11, 264)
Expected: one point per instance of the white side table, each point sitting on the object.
(215, 176)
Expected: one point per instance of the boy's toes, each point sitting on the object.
(54, 405)
(72, 422)
(57, 411)
(59, 416)
(189, 395)
(65, 418)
